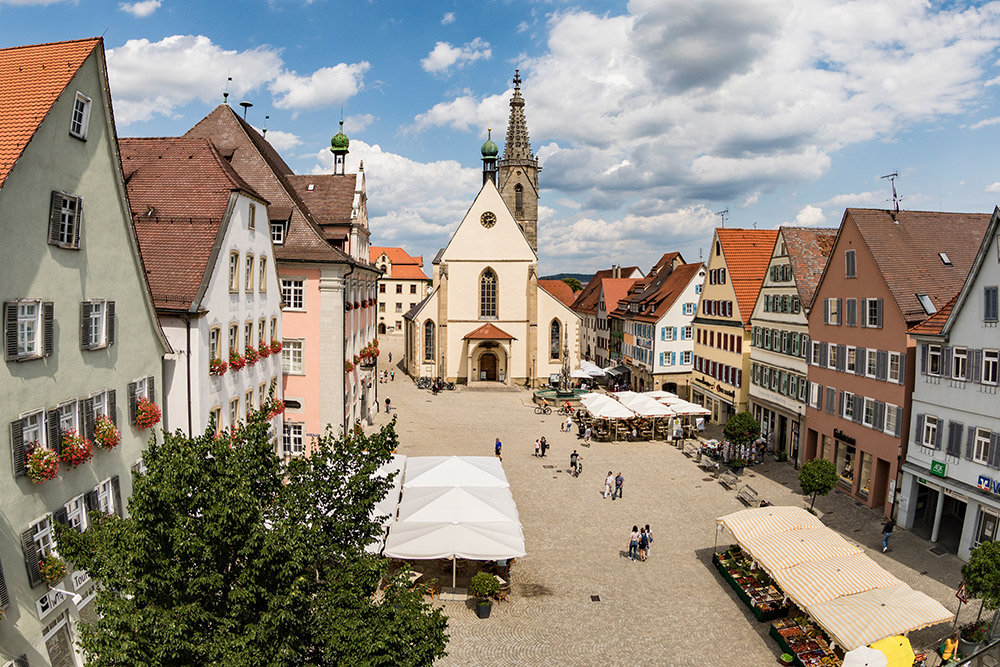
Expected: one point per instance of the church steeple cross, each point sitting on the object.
(518, 144)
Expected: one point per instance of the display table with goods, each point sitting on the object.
(751, 584)
(797, 636)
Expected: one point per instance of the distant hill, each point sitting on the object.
(584, 278)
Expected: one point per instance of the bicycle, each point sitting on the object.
(564, 411)
(424, 383)
(543, 410)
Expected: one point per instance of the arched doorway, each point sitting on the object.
(670, 386)
(488, 366)
(381, 327)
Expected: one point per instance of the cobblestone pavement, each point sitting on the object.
(673, 609)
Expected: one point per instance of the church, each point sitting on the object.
(488, 318)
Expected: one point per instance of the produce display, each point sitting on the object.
(805, 641)
(753, 584)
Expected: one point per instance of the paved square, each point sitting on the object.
(673, 609)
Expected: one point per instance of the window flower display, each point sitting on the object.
(236, 361)
(217, 367)
(76, 449)
(147, 414)
(106, 434)
(275, 346)
(53, 568)
(43, 463)
(251, 355)
(263, 350)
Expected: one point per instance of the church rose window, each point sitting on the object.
(488, 294)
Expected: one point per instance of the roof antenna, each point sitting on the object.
(755, 224)
(225, 94)
(264, 133)
(245, 105)
(895, 199)
(723, 214)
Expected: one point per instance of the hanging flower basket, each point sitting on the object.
(251, 355)
(76, 449)
(147, 414)
(217, 367)
(53, 568)
(275, 346)
(43, 463)
(236, 362)
(263, 350)
(348, 305)
(106, 434)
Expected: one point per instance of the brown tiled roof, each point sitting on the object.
(31, 79)
(586, 299)
(907, 253)
(259, 164)
(808, 249)
(560, 290)
(488, 331)
(660, 295)
(331, 199)
(179, 191)
(747, 253)
(935, 323)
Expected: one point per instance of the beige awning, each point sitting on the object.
(811, 583)
(793, 547)
(767, 521)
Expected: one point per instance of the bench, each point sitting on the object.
(708, 465)
(747, 495)
(729, 480)
(690, 450)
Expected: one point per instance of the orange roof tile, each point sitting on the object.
(935, 323)
(395, 255)
(31, 79)
(560, 290)
(808, 249)
(488, 331)
(407, 272)
(586, 299)
(615, 289)
(747, 253)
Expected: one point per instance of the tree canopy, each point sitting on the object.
(741, 428)
(818, 476)
(573, 283)
(982, 574)
(231, 557)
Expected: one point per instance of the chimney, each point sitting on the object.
(616, 271)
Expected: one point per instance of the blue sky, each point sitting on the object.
(648, 117)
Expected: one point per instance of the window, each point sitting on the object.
(234, 411)
(991, 366)
(990, 304)
(555, 339)
(262, 287)
(97, 324)
(215, 418)
(291, 356)
(381, 307)
(518, 198)
(891, 419)
(102, 404)
(293, 293)
(697, 290)
(833, 312)
(234, 338)
(291, 440)
(488, 294)
(934, 359)
(277, 232)
(32, 430)
(871, 363)
(381, 287)
(252, 217)
(848, 406)
(42, 534)
(399, 307)
(852, 359)
(65, 219)
(213, 343)
(399, 289)
(873, 313)
(248, 335)
(851, 264)
(274, 329)
(248, 282)
(248, 402)
(816, 349)
(815, 395)
(686, 357)
(261, 394)
(68, 417)
(262, 331)
(106, 496)
(28, 329)
(413, 289)
(234, 272)
(832, 363)
(981, 450)
(959, 364)
(429, 340)
(930, 431)
(80, 121)
(76, 514)
(895, 368)
(687, 332)
(868, 417)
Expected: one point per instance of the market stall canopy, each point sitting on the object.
(386, 507)
(686, 408)
(811, 583)
(790, 548)
(480, 504)
(862, 618)
(592, 369)
(863, 656)
(662, 396)
(758, 521)
(605, 407)
(643, 405)
(620, 371)
(476, 541)
(581, 374)
(454, 471)
(897, 650)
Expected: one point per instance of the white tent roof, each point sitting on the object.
(605, 407)
(686, 408)
(476, 541)
(592, 369)
(662, 396)
(643, 405)
(454, 471)
(387, 506)
(581, 374)
(455, 503)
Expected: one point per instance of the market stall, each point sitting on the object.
(648, 410)
(603, 407)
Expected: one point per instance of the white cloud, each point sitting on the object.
(140, 9)
(443, 56)
(449, 17)
(281, 140)
(358, 122)
(993, 187)
(466, 113)
(328, 86)
(986, 122)
(810, 216)
(856, 200)
(26, 3)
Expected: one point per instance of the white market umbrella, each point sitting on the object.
(386, 507)
(605, 407)
(454, 471)
(592, 369)
(659, 394)
(580, 374)
(454, 503)
(644, 405)
(865, 656)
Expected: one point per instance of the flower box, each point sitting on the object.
(106, 434)
(217, 367)
(263, 350)
(42, 463)
(251, 355)
(275, 346)
(236, 361)
(147, 414)
(76, 449)
(52, 568)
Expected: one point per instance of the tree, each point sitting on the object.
(982, 574)
(230, 555)
(741, 429)
(573, 283)
(818, 476)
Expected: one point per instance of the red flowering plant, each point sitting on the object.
(348, 366)
(217, 367)
(275, 346)
(42, 463)
(236, 362)
(348, 305)
(52, 568)
(76, 449)
(252, 356)
(147, 414)
(275, 408)
(106, 434)
(263, 350)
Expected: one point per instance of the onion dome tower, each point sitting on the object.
(490, 151)
(338, 146)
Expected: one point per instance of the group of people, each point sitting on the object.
(614, 482)
(639, 543)
(541, 444)
(386, 376)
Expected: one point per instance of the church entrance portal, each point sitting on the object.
(488, 366)
(381, 327)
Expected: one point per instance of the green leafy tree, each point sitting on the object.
(817, 477)
(741, 429)
(573, 283)
(982, 574)
(232, 558)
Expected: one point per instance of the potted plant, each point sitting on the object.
(76, 449)
(52, 568)
(484, 586)
(737, 466)
(264, 350)
(106, 434)
(251, 355)
(236, 362)
(217, 367)
(147, 414)
(275, 346)
(43, 463)
(972, 636)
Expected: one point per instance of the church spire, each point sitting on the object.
(518, 145)
(518, 169)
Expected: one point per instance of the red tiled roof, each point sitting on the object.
(615, 289)
(407, 272)
(586, 299)
(179, 191)
(747, 253)
(808, 249)
(660, 295)
(395, 255)
(935, 323)
(488, 331)
(907, 253)
(31, 79)
(560, 290)
(331, 199)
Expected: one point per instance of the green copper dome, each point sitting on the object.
(340, 142)
(490, 149)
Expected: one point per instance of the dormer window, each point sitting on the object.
(278, 232)
(81, 116)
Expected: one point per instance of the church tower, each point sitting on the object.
(518, 170)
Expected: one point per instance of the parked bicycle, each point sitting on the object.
(424, 383)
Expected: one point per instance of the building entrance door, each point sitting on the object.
(488, 366)
(987, 530)
(782, 439)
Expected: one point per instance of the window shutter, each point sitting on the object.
(851, 313)
(722, 276)
(673, 358)
(879, 422)
(898, 415)
(840, 311)
(10, 327)
(824, 354)
(17, 447)
(87, 405)
(739, 343)
(937, 436)
(970, 442)
(54, 431)
(946, 361)
(90, 500)
(31, 562)
(878, 314)
(863, 315)
(840, 403)
(858, 403)
(881, 364)
(923, 359)
(994, 457)
(151, 388)
(826, 311)
(79, 222)
(131, 403)
(112, 407)
(902, 368)
(85, 326)
(47, 332)
(61, 516)
(116, 489)
(109, 314)
(4, 597)
(55, 217)
(918, 432)
(841, 358)
(831, 397)
(674, 334)
(977, 366)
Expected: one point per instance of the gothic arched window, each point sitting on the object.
(518, 199)
(429, 340)
(488, 294)
(555, 339)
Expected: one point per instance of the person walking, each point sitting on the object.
(586, 436)
(498, 447)
(649, 540)
(573, 458)
(569, 424)
(390, 357)
(887, 533)
(392, 374)
(538, 447)
(609, 482)
(643, 543)
(545, 445)
(387, 404)
(633, 543)
(619, 481)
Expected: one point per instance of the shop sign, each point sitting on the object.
(730, 394)
(938, 468)
(843, 437)
(987, 484)
(704, 382)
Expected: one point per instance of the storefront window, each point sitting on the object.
(827, 448)
(866, 473)
(845, 463)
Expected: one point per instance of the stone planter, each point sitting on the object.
(967, 648)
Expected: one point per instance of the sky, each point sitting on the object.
(649, 118)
